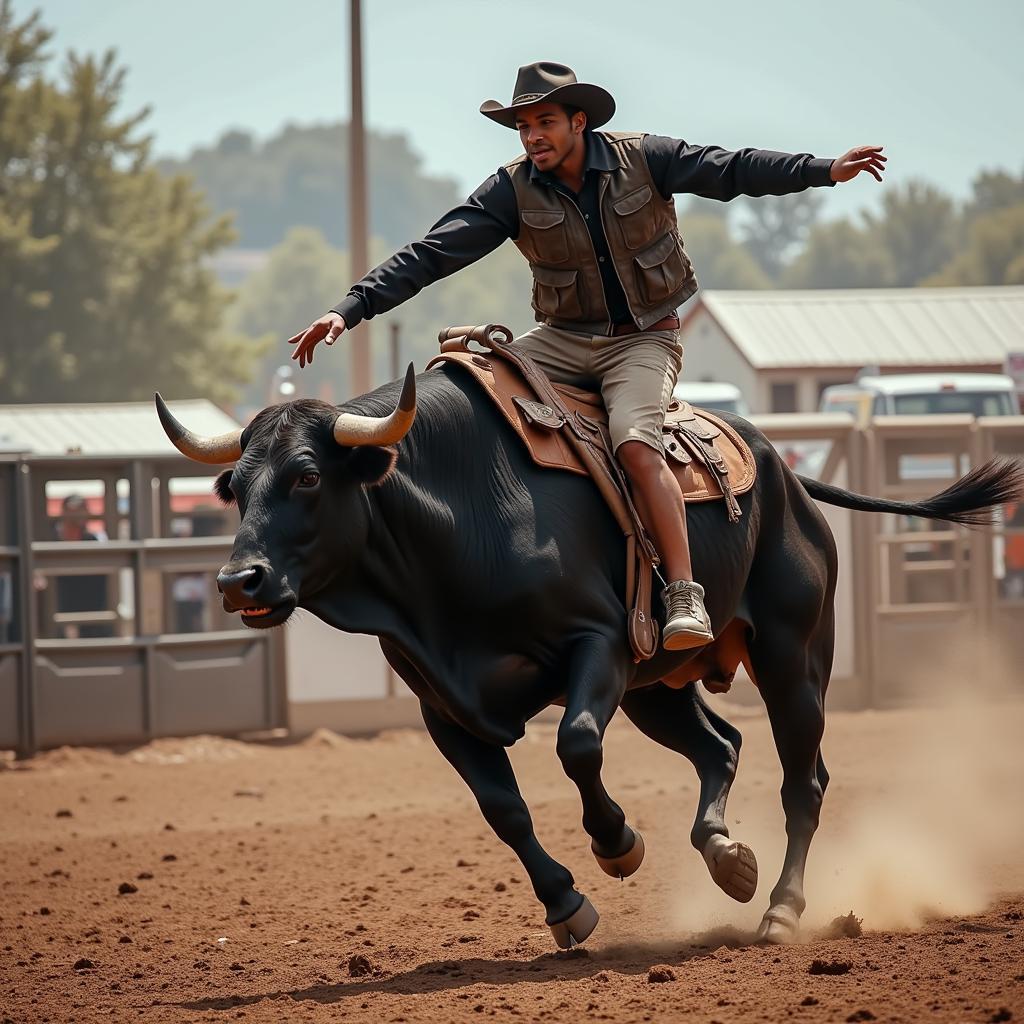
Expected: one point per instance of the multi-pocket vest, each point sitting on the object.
(643, 239)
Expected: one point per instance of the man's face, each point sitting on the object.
(548, 135)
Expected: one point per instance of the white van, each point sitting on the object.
(714, 396)
(923, 394)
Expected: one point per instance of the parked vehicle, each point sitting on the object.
(715, 396)
(923, 394)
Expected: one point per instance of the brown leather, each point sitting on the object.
(640, 228)
(504, 383)
(668, 323)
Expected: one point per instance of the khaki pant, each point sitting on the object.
(635, 374)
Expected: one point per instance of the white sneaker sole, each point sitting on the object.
(684, 639)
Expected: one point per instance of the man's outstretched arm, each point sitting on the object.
(716, 173)
(461, 237)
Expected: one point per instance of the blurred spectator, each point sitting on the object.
(80, 593)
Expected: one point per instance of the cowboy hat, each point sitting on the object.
(547, 82)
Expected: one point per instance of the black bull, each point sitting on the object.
(495, 589)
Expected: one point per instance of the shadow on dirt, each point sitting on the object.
(443, 975)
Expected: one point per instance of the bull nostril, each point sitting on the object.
(239, 580)
(252, 584)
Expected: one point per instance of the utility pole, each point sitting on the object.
(359, 338)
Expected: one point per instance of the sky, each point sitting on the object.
(939, 83)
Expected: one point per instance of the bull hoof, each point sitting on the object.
(733, 867)
(577, 927)
(779, 926)
(626, 863)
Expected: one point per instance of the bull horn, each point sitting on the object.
(214, 451)
(351, 429)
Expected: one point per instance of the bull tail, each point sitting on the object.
(970, 501)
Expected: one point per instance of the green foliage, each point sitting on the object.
(916, 229)
(102, 259)
(778, 226)
(994, 253)
(839, 254)
(300, 177)
(719, 260)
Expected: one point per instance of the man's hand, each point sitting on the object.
(329, 328)
(863, 158)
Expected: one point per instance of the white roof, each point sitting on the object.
(103, 428)
(871, 327)
(927, 383)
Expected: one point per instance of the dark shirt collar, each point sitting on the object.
(599, 157)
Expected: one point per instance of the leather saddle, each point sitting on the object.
(566, 428)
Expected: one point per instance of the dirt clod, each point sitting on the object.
(359, 966)
(829, 967)
(846, 926)
(660, 973)
(126, 888)
(84, 964)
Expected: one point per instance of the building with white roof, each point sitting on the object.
(782, 348)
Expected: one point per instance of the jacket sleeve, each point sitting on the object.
(461, 237)
(716, 173)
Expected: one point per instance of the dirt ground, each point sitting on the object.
(213, 880)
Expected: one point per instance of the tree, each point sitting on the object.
(718, 259)
(994, 253)
(778, 226)
(300, 177)
(840, 255)
(917, 229)
(103, 286)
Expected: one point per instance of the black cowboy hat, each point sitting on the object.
(547, 82)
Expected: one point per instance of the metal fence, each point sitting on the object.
(110, 628)
(919, 603)
(118, 636)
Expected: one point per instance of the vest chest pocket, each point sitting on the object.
(555, 293)
(662, 269)
(546, 235)
(636, 216)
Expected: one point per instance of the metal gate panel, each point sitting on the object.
(89, 696)
(921, 576)
(10, 674)
(220, 684)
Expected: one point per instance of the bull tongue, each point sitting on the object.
(256, 611)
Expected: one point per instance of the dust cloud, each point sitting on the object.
(922, 818)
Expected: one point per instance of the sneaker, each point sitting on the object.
(686, 619)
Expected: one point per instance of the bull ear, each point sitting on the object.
(372, 464)
(222, 488)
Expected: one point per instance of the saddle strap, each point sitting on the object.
(641, 624)
(701, 445)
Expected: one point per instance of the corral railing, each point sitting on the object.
(916, 601)
(110, 626)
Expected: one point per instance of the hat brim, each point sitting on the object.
(595, 102)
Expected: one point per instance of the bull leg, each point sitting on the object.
(597, 682)
(792, 677)
(683, 722)
(486, 770)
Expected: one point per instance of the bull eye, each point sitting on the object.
(309, 479)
